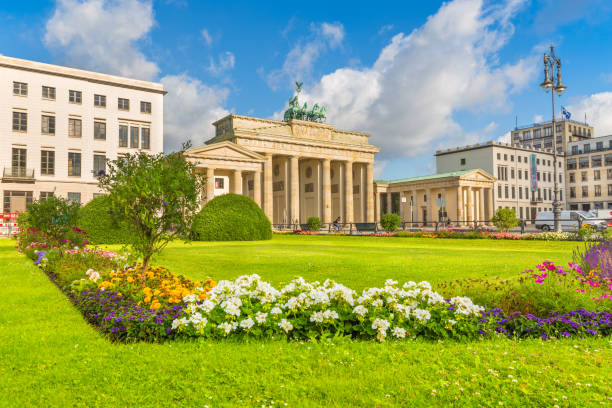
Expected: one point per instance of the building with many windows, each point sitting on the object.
(58, 126)
(539, 135)
(524, 176)
(589, 174)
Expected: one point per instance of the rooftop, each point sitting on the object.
(428, 177)
(550, 122)
(492, 143)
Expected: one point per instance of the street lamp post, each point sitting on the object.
(552, 82)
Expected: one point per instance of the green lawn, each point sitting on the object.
(50, 357)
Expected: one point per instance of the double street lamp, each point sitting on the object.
(552, 82)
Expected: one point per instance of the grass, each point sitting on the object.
(50, 357)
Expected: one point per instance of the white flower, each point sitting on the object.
(421, 314)
(285, 325)
(377, 303)
(261, 317)
(360, 310)
(227, 327)
(189, 298)
(317, 317)
(232, 306)
(390, 282)
(399, 332)
(380, 324)
(207, 306)
(276, 310)
(452, 322)
(247, 323)
(330, 315)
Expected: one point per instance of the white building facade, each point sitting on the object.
(524, 176)
(59, 125)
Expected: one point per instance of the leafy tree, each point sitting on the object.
(505, 218)
(156, 196)
(390, 222)
(55, 217)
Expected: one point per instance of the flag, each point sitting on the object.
(565, 112)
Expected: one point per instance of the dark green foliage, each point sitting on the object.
(314, 224)
(231, 217)
(101, 224)
(54, 217)
(505, 218)
(390, 222)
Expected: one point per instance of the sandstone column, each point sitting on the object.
(415, 208)
(257, 188)
(429, 206)
(295, 189)
(401, 205)
(470, 205)
(459, 205)
(369, 192)
(348, 191)
(377, 206)
(490, 205)
(389, 201)
(267, 188)
(326, 191)
(210, 183)
(237, 182)
(481, 206)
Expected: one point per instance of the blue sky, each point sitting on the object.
(417, 75)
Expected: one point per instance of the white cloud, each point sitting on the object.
(598, 109)
(207, 37)
(190, 108)
(105, 39)
(300, 60)
(385, 28)
(101, 35)
(407, 98)
(226, 62)
(538, 118)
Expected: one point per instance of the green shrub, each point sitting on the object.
(505, 218)
(101, 225)
(54, 217)
(231, 217)
(390, 222)
(314, 224)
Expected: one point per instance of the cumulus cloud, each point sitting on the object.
(225, 62)
(598, 110)
(407, 98)
(300, 60)
(106, 40)
(101, 36)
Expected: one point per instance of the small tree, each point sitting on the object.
(54, 217)
(505, 218)
(314, 224)
(390, 222)
(156, 196)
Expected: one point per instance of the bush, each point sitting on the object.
(54, 217)
(505, 218)
(231, 217)
(101, 225)
(390, 222)
(314, 224)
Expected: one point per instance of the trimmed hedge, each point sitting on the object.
(101, 227)
(231, 217)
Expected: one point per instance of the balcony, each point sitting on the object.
(536, 200)
(18, 175)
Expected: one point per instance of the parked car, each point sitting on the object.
(570, 220)
(604, 215)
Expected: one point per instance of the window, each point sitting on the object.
(218, 182)
(596, 161)
(498, 156)
(558, 129)
(583, 162)
(20, 121)
(587, 148)
(516, 135)
(571, 164)
(584, 176)
(145, 107)
(74, 127)
(505, 157)
(499, 191)
(48, 92)
(537, 133)
(572, 192)
(610, 189)
(513, 192)
(572, 178)
(124, 104)
(145, 134)
(100, 100)
(599, 146)
(48, 125)
(537, 145)
(526, 175)
(574, 149)
(608, 159)
(597, 191)
(520, 174)
(19, 162)
(74, 96)
(548, 131)
(20, 88)
(596, 175)
(506, 191)
(462, 162)
(520, 191)
(134, 137)
(585, 191)
(526, 193)
(100, 130)
(99, 165)
(74, 197)
(512, 173)
(545, 195)
(518, 158)
(47, 162)
(45, 195)
(123, 136)
(74, 164)
(527, 134)
(609, 171)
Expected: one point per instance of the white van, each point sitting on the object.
(570, 220)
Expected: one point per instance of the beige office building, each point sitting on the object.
(293, 169)
(524, 176)
(589, 174)
(58, 125)
(539, 135)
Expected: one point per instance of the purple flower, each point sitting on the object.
(164, 203)
(544, 336)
